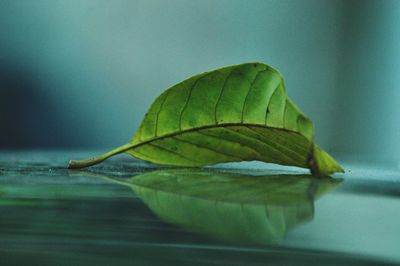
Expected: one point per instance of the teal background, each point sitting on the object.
(83, 73)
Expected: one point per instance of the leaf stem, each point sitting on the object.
(75, 164)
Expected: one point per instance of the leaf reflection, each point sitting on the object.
(230, 206)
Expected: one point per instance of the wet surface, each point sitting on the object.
(128, 212)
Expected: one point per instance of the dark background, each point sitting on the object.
(81, 74)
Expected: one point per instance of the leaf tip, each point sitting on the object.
(322, 164)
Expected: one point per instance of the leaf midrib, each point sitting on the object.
(131, 145)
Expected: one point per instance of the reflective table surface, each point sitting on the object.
(127, 212)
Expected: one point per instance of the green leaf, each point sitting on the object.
(232, 114)
(231, 206)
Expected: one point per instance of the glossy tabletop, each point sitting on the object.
(127, 212)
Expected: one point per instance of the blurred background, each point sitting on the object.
(81, 74)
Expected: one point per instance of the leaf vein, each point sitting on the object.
(251, 87)
(281, 146)
(279, 136)
(267, 144)
(205, 147)
(159, 110)
(173, 152)
(190, 95)
(220, 94)
(269, 102)
(240, 143)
